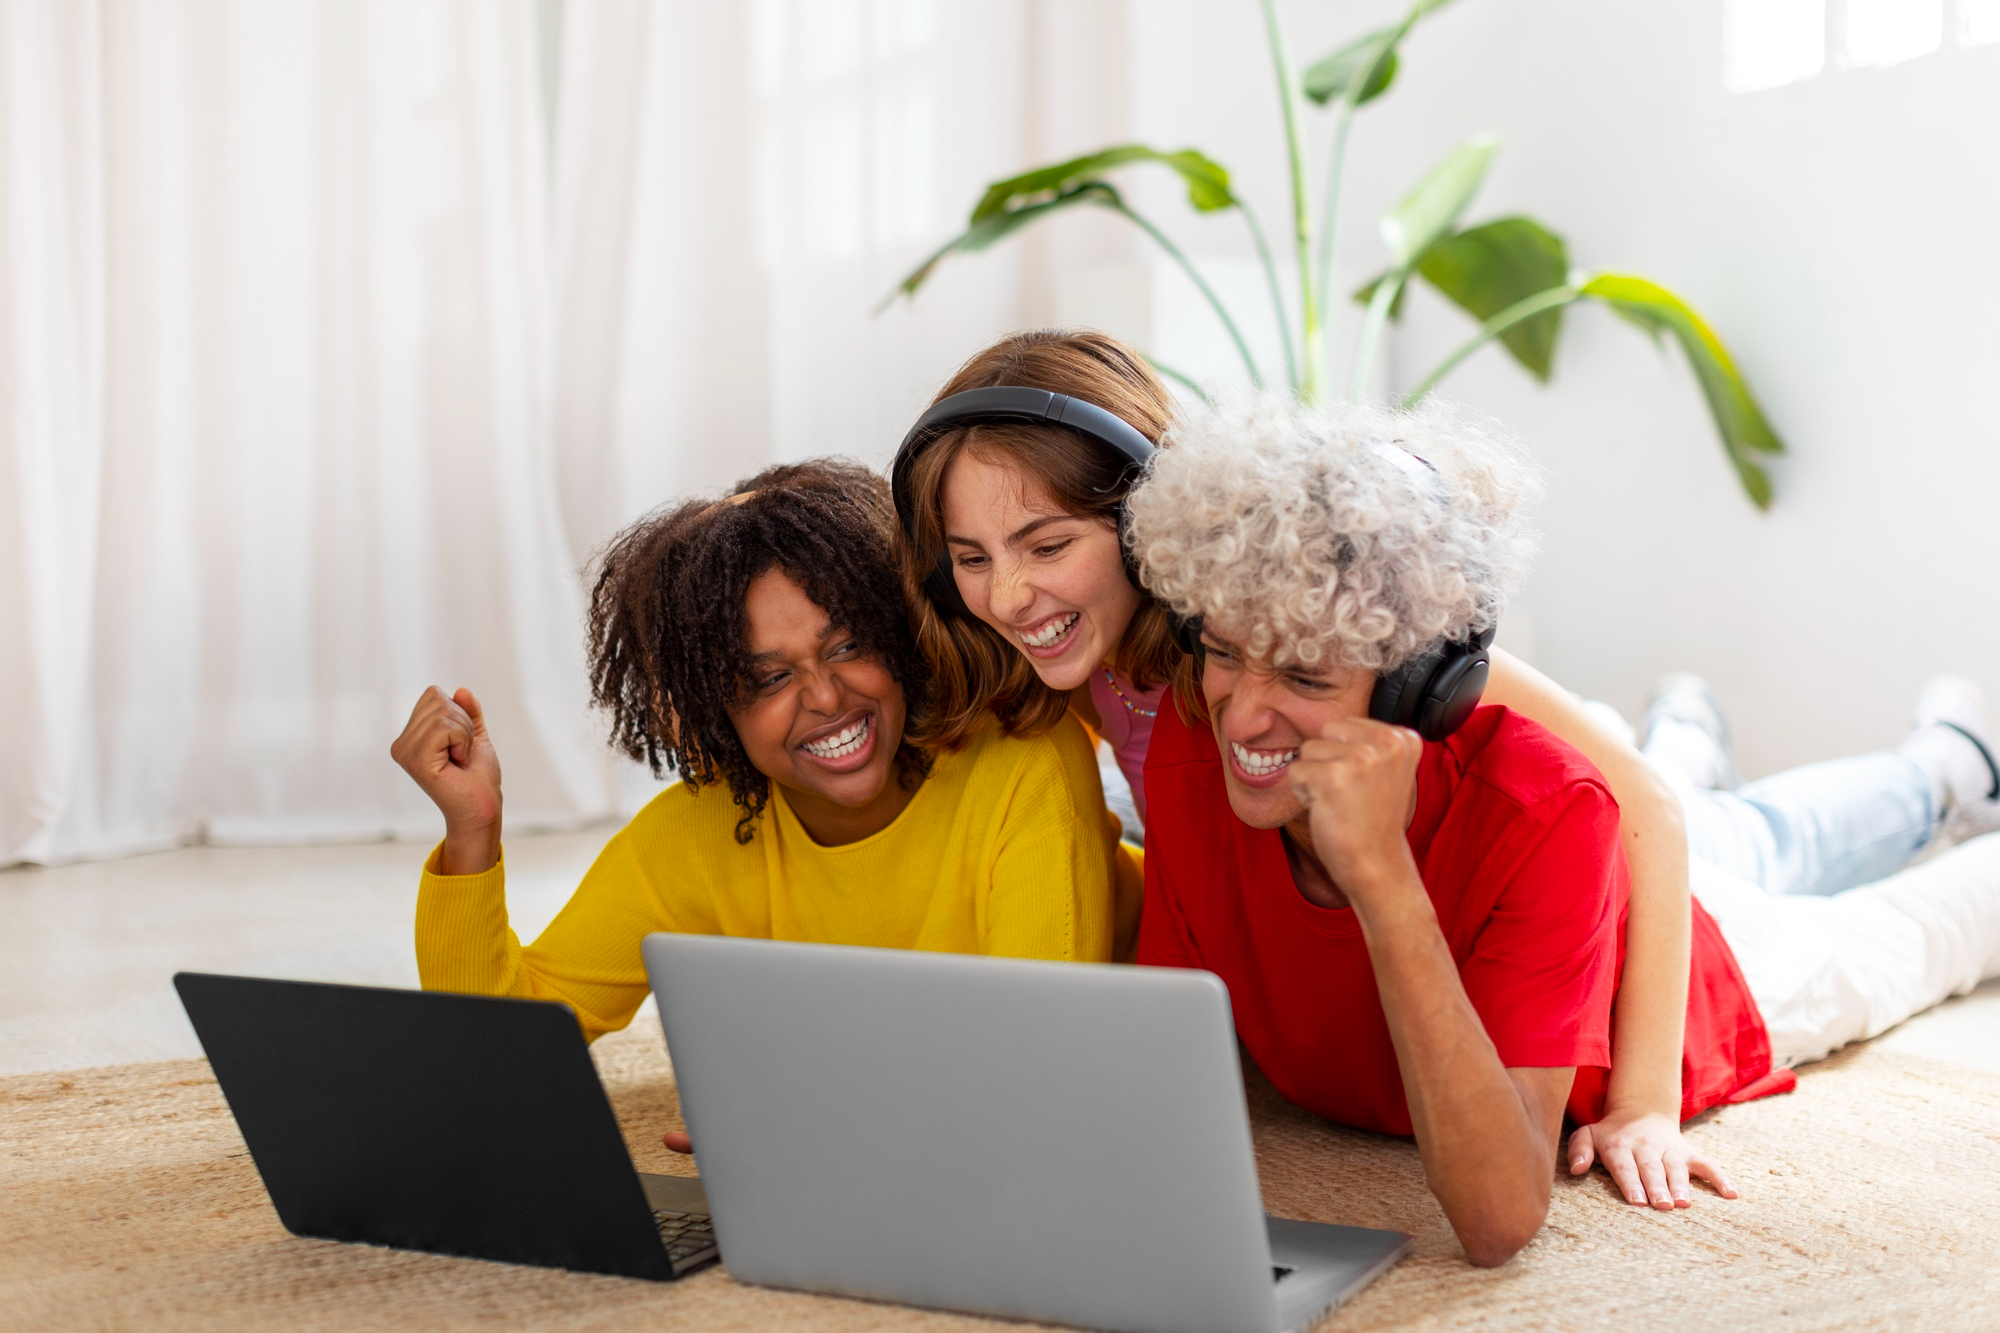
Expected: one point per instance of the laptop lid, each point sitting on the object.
(1053, 1141)
(455, 1123)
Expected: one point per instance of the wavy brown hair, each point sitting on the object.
(975, 672)
(670, 637)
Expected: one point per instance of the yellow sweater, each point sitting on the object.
(1006, 848)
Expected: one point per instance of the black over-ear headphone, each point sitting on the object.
(1432, 694)
(983, 407)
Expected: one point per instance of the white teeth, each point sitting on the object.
(1261, 763)
(1050, 632)
(841, 744)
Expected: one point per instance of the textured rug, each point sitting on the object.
(1869, 1200)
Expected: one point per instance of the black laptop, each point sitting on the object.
(458, 1124)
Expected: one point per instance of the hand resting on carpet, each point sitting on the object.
(1646, 1155)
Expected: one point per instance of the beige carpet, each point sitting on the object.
(1871, 1198)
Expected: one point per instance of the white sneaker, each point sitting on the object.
(1683, 729)
(1952, 736)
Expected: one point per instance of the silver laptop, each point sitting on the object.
(1049, 1141)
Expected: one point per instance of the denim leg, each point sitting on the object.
(1817, 829)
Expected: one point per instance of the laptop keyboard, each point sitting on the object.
(689, 1237)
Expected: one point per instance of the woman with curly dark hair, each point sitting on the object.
(760, 645)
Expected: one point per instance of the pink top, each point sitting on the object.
(1125, 720)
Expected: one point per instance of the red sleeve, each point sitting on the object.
(1543, 968)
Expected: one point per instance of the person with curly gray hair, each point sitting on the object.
(1358, 538)
(1418, 938)
(1425, 937)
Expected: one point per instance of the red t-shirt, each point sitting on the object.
(1516, 837)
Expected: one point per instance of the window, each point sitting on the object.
(847, 148)
(1978, 22)
(1770, 43)
(1888, 32)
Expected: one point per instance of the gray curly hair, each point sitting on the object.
(1356, 536)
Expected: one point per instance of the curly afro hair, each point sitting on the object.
(669, 637)
(1354, 535)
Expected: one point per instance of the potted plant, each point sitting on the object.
(1511, 274)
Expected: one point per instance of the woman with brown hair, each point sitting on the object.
(760, 647)
(1060, 624)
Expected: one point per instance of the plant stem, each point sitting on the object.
(1201, 284)
(1371, 331)
(1330, 211)
(1179, 377)
(1525, 308)
(1277, 294)
(1313, 338)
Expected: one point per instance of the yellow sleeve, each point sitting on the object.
(464, 943)
(1051, 889)
(589, 956)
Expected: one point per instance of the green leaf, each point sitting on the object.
(1435, 205)
(982, 234)
(1207, 180)
(1738, 420)
(1369, 61)
(1487, 268)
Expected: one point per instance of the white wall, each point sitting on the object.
(1839, 234)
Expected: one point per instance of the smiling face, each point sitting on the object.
(1262, 712)
(1050, 582)
(820, 719)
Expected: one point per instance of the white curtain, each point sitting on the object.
(327, 358)
(274, 420)
(739, 186)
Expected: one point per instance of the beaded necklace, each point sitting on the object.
(1130, 707)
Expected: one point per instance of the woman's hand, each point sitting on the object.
(1646, 1155)
(446, 750)
(677, 1140)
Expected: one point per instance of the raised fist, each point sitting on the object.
(446, 750)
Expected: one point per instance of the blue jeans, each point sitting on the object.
(1817, 829)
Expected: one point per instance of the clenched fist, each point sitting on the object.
(445, 748)
(1359, 784)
